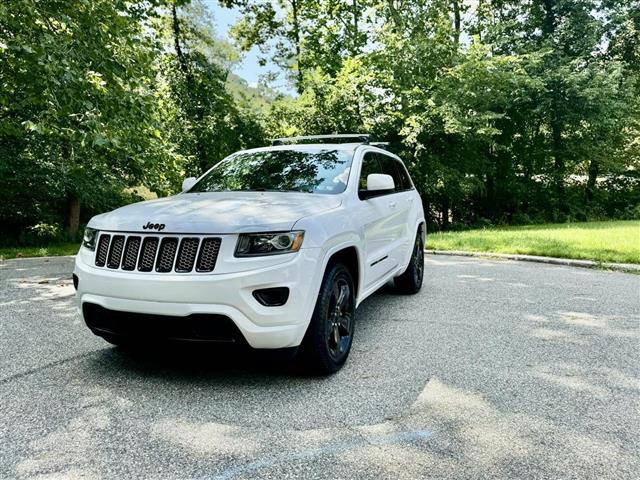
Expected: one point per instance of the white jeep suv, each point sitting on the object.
(273, 247)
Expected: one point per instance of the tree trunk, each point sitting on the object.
(184, 66)
(355, 46)
(296, 39)
(549, 22)
(490, 185)
(594, 170)
(558, 160)
(445, 213)
(456, 21)
(73, 215)
(548, 29)
(197, 110)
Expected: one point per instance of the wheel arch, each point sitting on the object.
(350, 257)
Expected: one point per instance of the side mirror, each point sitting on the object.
(377, 184)
(187, 183)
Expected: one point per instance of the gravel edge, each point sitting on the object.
(619, 267)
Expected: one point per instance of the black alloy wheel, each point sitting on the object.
(410, 281)
(339, 319)
(328, 339)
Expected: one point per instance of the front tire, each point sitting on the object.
(328, 340)
(410, 281)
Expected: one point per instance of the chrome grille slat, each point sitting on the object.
(115, 251)
(161, 253)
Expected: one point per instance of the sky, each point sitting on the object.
(249, 69)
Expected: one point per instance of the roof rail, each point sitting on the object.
(382, 145)
(361, 137)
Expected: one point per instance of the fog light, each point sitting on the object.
(272, 297)
(75, 281)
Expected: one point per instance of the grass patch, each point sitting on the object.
(616, 241)
(50, 250)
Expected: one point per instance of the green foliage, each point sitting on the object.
(208, 123)
(97, 99)
(505, 111)
(79, 117)
(601, 241)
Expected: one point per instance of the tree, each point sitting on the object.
(78, 108)
(208, 123)
(505, 111)
(94, 104)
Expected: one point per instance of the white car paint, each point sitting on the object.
(382, 230)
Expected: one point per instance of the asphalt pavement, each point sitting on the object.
(496, 369)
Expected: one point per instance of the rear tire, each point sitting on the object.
(328, 340)
(410, 281)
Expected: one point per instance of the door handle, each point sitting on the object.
(392, 204)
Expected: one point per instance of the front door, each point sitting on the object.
(380, 225)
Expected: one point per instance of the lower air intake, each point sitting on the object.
(200, 327)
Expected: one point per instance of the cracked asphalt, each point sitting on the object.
(496, 369)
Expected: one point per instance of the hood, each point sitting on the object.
(217, 212)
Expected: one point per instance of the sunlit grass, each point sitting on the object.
(50, 250)
(617, 241)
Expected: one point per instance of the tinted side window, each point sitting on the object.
(396, 169)
(369, 165)
(404, 176)
(388, 166)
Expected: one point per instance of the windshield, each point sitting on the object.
(304, 170)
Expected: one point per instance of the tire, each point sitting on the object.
(410, 281)
(327, 342)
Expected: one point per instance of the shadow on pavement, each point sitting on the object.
(189, 361)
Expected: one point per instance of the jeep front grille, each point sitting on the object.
(148, 255)
(187, 254)
(159, 253)
(131, 250)
(115, 251)
(167, 254)
(101, 251)
(208, 254)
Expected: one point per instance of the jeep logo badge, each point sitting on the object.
(154, 226)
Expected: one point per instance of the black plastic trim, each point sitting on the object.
(197, 327)
(272, 297)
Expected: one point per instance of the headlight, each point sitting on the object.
(89, 238)
(254, 244)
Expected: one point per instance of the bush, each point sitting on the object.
(42, 233)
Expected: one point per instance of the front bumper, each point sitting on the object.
(229, 295)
